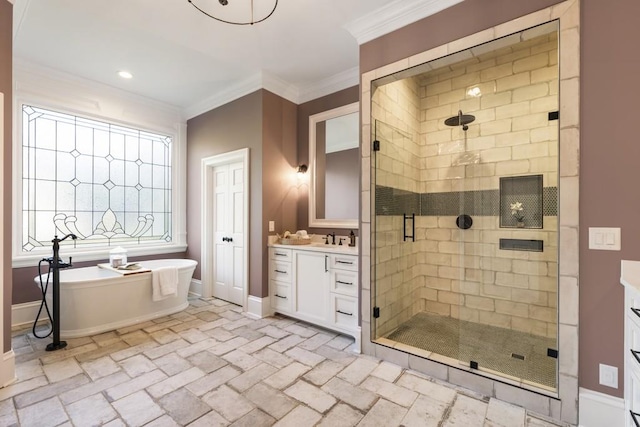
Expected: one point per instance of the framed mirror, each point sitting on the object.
(334, 161)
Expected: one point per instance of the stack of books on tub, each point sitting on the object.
(125, 269)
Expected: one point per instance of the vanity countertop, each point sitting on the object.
(630, 274)
(320, 247)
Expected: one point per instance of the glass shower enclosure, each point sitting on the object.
(464, 184)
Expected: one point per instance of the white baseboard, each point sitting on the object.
(25, 313)
(258, 308)
(195, 287)
(599, 409)
(8, 369)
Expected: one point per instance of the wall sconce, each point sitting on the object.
(302, 169)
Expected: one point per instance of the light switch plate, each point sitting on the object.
(272, 226)
(608, 376)
(604, 238)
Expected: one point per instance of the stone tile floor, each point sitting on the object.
(211, 365)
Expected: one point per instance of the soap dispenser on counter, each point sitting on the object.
(352, 239)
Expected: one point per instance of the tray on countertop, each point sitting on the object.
(284, 241)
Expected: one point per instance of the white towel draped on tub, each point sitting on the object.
(164, 282)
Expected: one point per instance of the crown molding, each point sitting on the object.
(329, 85)
(10, 1)
(393, 16)
(245, 87)
(278, 86)
(242, 88)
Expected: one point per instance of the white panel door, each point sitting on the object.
(228, 220)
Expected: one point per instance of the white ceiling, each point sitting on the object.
(180, 57)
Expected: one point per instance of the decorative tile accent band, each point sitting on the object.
(392, 201)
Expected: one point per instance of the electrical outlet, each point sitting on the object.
(608, 376)
(272, 226)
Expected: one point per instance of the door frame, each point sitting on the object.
(206, 219)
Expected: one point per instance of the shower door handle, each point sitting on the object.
(411, 236)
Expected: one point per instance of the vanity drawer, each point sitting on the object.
(280, 254)
(280, 271)
(281, 296)
(634, 395)
(344, 262)
(633, 340)
(344, 282)
(344, 311)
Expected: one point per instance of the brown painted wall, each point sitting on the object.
(335, 100)
(609, 176)
(230, 127)
(265, 123)
(610, 64)
(279, 190)
(6, 64)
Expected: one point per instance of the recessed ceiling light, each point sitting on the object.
(125, 74)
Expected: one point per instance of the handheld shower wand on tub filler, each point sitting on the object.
(56, 265)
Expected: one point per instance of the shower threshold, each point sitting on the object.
(512, 353)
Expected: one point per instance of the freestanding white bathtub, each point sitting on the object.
(95, 300)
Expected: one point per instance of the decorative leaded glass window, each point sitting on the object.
(107, 184)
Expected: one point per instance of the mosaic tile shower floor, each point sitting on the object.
(490, 346)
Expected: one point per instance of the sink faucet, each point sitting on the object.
(333, 238)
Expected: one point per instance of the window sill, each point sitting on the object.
(102, 254)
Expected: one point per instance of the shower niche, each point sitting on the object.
(470, 135)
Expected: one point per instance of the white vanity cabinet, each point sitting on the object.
(344, 291)
(320, 287)
(311, 285)
(280, 274)
(630, 278)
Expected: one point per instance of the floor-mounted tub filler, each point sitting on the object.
(95, 300)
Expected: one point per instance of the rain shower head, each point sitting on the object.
(460, 120)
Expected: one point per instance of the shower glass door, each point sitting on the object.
(464, 185)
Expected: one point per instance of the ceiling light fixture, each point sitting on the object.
(252, 20)
(125, 74)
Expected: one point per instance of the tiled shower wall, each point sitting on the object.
(511, 136)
